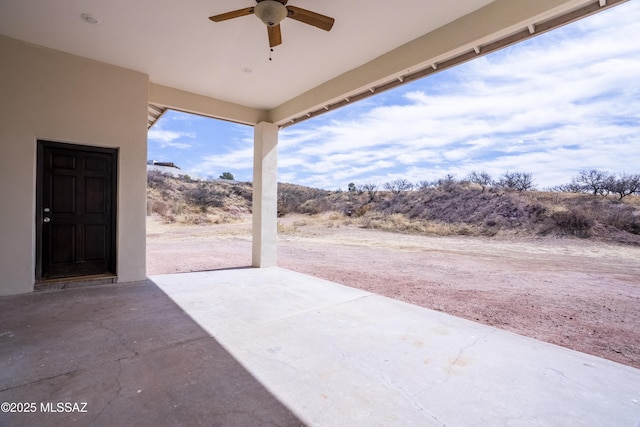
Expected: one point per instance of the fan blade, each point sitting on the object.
(311, 18)
(233, 14)
(275, 36)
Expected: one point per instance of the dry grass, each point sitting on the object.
(400, 223)
(326, 219)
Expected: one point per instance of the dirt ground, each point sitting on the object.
(579, 294)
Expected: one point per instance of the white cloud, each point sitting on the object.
(234, 160)
(167, 138)
(565, 101)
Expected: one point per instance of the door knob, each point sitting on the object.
(46, 219)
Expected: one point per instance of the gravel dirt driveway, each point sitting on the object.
(579, 294)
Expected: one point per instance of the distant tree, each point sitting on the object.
(525, 182)
(483, 179)
(423, 185)
(371, 189)
(609, 185)
(624, 185)
(506, 181)
(571, 187)
(351, 187)
(398, 186)
(519, 181)
(227, 175)
(593, 181)
(446, 181)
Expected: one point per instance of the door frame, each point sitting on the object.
(39, 214)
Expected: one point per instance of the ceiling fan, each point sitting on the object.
(272, 12)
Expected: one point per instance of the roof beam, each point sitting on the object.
(189, 102)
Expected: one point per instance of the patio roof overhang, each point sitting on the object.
(225, 72)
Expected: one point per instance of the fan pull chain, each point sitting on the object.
(270, 52)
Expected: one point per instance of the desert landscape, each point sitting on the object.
(577, 293)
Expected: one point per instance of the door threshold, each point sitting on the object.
(75, 282)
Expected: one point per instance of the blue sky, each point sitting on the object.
(553, 105)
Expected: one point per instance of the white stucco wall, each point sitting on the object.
(49, 95)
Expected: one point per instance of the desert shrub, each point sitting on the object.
(312, 207)
(195, 219)
(316, 206)
(394, 222)
(633, 227)
(283, 207)
(207, 218)
(287, 228)
(224, 218)
(607, 211)
(157, 179)
(569, 223)
(623, 217)
(158, 207)
(166, 194)
(298, 199)
(178, 208)
(204, 196)
(362, 210)
(243, 191)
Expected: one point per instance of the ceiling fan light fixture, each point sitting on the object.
(270, 12)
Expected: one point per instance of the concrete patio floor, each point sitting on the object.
(130, 354)
(275, 347)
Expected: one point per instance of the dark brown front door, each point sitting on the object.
(76, 210)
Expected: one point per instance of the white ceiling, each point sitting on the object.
(176, 44)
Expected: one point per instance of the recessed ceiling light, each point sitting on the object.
(89, 18)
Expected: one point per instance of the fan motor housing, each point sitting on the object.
(270, 12)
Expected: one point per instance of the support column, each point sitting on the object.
(265, 195)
